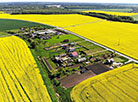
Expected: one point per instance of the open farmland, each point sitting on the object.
(20, 80)
(111, 10)
(115, 10)
(55, 20)
(119, 85)
(16, 24)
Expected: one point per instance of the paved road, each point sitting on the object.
(107, 48)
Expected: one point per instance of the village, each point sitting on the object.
(69, 58)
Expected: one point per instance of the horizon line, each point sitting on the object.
(63, 2)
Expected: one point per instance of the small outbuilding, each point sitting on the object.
(82, 59)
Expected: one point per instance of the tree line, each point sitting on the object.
(48, 11)
(110, 17)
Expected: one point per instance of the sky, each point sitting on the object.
(88, 1)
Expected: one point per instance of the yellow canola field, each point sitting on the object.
(113, 13)
(20, 79)
(55, 20)
(118, 85)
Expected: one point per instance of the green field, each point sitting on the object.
(58, 39)
(116, 10)
(135, 17)
(8, 24)
(112, 10)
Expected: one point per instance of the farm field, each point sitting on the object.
(118, 85)
(20, 78)
(55, 20)
(115, 10)
(112, 12)
(135, 17)
(8, 24)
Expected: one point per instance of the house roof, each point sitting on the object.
(74, 53)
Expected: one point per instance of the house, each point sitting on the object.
(109, 61)
(71, 43)
(74, 54)
(57, 58)
(82, 59)
(50, 31)
(34, 35)
(62, 45)
(117, 64)
(64, 58)
(62, 55)
(71, 49)
(41, 32)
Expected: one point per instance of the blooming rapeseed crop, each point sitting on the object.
(113, 13)
(20, 79)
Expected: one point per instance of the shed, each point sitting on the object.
(82, 59)
(71, 43)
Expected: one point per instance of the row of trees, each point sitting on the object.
(110, 17)
(48, 11)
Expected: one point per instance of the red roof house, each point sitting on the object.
(74, 54)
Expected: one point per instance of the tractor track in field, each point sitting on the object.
(83, 24)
